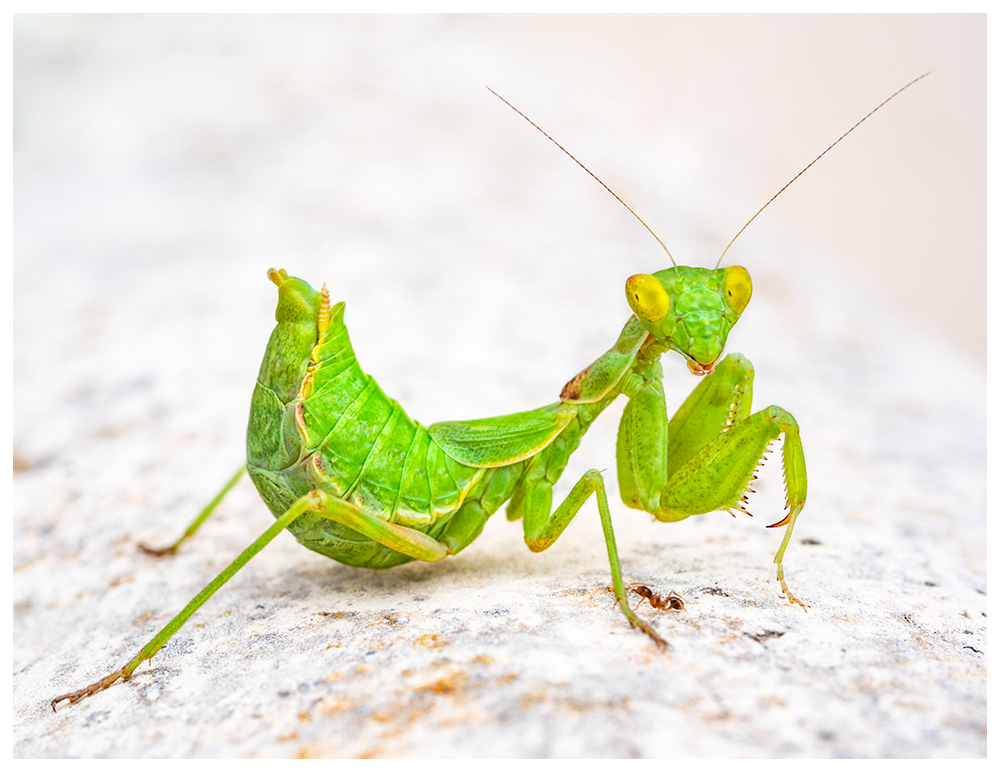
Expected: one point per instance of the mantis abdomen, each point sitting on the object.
(318, 422)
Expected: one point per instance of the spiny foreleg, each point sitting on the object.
(715, 446)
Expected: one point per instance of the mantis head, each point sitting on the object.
(691, 310)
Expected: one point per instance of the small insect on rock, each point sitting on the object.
(671, 601)
(353, 477)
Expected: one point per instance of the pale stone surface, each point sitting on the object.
(163, 165)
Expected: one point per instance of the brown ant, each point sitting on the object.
(671, 600)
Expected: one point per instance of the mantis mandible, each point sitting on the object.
(353, 477)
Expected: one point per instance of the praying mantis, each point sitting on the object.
(353, 477)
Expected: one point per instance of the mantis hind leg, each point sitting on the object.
(178, 621)
(404, 540)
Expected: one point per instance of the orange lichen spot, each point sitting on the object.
(446, 685)
(429, 641)
(531, 699)
(335, 705)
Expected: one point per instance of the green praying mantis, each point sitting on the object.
(353, 477)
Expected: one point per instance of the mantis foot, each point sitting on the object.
(94, 688)
(158, 552)
(635, 621)
(784, 589)
(657, 639)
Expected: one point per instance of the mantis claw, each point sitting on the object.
(634, 619)
(158, 552)
(660, 642)
(783, 521)
(94, 688)
(786, 591)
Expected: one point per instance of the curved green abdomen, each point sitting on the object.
(340, 433)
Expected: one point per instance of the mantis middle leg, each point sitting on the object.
(542, 527)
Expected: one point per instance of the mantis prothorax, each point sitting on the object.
(353, 477)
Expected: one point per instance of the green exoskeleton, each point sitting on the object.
(353, 477)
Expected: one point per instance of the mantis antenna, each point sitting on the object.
(494, 93)
(880, 106)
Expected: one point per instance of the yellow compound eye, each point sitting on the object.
(737, 288)
(647, 298)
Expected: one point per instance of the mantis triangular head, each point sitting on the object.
(691, 310)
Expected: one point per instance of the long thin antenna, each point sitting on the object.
(815, 160)
(494, 93)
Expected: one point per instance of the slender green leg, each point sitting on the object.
(407, 541)
(175, 624)
(202, 517)
(402, 539)
(794, 465)
(541, 529)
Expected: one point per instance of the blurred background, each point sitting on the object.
(751, 98)
(903, 200)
